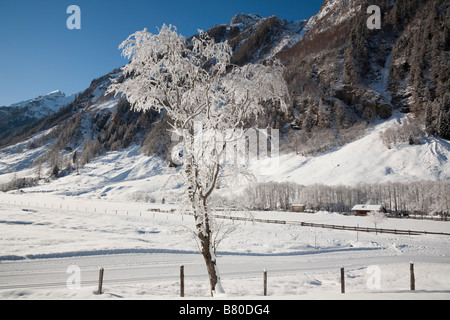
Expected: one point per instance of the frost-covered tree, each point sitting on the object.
(196, 85)
(376, 217)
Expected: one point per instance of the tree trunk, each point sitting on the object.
(210, 260)
(205, 235)
(198, 206)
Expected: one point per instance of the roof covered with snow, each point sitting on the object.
(365, 207)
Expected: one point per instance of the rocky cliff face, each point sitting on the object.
(257, 39)
(341, 72)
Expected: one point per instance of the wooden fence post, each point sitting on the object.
(411, 276)
(100, 280)
(265, 282)
(342, 281)
(182, 281)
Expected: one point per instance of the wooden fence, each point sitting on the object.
(273, 221)
(182, 278)
(316, 225)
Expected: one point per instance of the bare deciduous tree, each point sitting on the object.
(376, 217)
(200, 90)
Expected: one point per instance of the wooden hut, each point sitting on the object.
(364, 209)
(296, 207)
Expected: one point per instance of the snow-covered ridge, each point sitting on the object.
(242, 20)
(41, 106)
(333, 13)
(53, 100)
(283, 34)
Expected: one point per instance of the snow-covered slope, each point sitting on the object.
(53, 101)
(127, 174)
(334, 12)
(17, 118)
(368, 160)
(124, 174)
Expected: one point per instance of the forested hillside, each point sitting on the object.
(342, 76)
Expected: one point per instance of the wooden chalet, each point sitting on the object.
(364, 209)
(298, 207)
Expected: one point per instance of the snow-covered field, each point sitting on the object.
(48, 243)
(80, 222)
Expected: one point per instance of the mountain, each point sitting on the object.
(21, 114)
(110, 124)
(256, 39)
(51, 102)
(351, 89)
(341, 72)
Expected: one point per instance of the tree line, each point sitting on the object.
(421, 197)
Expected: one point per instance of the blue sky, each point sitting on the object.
(39, 54)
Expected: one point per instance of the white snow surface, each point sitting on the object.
(44, 236)
(94, 219)
(368, 160)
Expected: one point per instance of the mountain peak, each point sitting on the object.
(243, 20)
(44, 100)
(55, 92)
(255, 39)
(335, 12)
(32, 109)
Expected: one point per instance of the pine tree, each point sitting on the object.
(444, 118)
